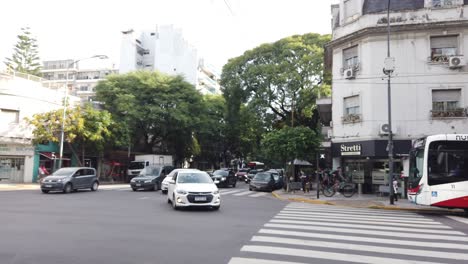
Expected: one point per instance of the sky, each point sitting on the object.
(218, 29)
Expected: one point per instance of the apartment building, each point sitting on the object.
(429, 41)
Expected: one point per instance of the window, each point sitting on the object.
(447, 162)
(9, 116)
(351, 8)
(351, 109)
(442, 47)
(84, 88)
(350, 57)
(446, 103)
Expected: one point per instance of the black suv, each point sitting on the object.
(150, 178)
(70, 179)
(224, 178)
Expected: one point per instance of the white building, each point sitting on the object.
(163, 49)
(81, 81)
(429, 41)
(22, 96)
(208, 80)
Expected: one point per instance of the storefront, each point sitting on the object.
(16, 162)
(367, 161)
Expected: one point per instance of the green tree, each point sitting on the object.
(288, 143)
(154, 112)
(25, 58)
(283, 79)
(86, 127)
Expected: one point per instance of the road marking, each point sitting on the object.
(243, 193)
(338, 211)
(329, 255)
(229, 192)
(369, 226)
(459, 219)
(369, 232)
(401, 242)
(143, 198)
(347, 209)
(343, 216)
(347, 220)
(349, 246)
(258, 194)
(258, 261)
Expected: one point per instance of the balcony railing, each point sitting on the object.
(459, 112)
(351, 118)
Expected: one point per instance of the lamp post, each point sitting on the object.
(62, 130)
(389, 67)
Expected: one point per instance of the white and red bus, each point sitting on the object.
(438, 173)
(256, 165)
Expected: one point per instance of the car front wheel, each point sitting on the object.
(216, 208)
(95, 186)
(174, 204)
(45, 191)
(68, 188)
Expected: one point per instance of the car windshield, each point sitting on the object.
(252, 172)
(150, 171)
(64, 172)
(221, 173)
(194, 177)
(243, 170)
(136, 165)
(262, 177)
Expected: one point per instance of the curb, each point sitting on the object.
(303, 200)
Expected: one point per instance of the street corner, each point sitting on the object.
(287, 197)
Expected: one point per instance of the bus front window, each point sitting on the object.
(447, 162)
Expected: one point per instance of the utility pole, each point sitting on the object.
(389, 67)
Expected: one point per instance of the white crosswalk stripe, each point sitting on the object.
(314, 233)
(243, 193)
(259, 194)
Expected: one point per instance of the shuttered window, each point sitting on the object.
(351, 105)
(443, 47)
(446, 100)
(350, 57)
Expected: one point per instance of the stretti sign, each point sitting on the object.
(350, 150)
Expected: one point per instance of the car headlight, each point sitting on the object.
(223, 178)
(133, 180)
(148, 181)
(216, 192)
(181, 192)
(60, 180)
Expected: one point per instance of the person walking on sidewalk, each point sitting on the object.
(395, 188)
(304, 181)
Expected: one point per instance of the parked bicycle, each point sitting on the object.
(331, 184)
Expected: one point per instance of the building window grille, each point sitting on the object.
(446, 103)
(352, 111)
(350, 58)
(443, 47)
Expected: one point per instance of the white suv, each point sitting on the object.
(193, 188)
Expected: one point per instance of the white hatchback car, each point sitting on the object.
(165, 182)
(193, 188)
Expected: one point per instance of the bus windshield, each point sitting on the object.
(447, 162)
(416, 167)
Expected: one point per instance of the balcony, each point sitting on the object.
(351, 118)
(458, 112)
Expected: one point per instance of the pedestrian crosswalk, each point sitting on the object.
(224, 192)
(306, 233)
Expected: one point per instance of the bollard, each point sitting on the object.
(359, 188)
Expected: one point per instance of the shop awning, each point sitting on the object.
(52, 156)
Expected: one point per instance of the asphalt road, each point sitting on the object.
(122, 226)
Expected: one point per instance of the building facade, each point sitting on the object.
(161, 49)
(22, 96)
(429, 87)
(81, 81)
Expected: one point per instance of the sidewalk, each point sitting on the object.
(372, 201)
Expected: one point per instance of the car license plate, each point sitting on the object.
(200, 198)
(48, 186)
(138, 184)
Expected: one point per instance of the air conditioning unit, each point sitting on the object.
(456, 62)
(385, 129)
(349, 74)
(330, 133)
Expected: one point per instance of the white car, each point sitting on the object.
(165, 182)
(193, 188)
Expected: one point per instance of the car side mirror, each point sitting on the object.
(171, 182)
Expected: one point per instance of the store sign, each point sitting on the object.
(350, 150)
(19, 150)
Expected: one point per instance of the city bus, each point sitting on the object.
(255, 165)
(438, 171)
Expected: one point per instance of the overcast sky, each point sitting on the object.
(219, 29)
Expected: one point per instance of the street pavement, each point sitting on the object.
(311, 233)
(117, 225)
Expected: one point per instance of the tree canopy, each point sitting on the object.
(154, 112)
(25, 57)
(278, 82)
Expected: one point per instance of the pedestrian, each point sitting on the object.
(395, 188)
(303, 178)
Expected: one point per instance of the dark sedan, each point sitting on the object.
(262, 181)
(224, 178)
(150, 178)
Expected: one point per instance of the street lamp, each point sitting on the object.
(389, 67)
(62, 133)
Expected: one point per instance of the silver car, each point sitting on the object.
(70, 179)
